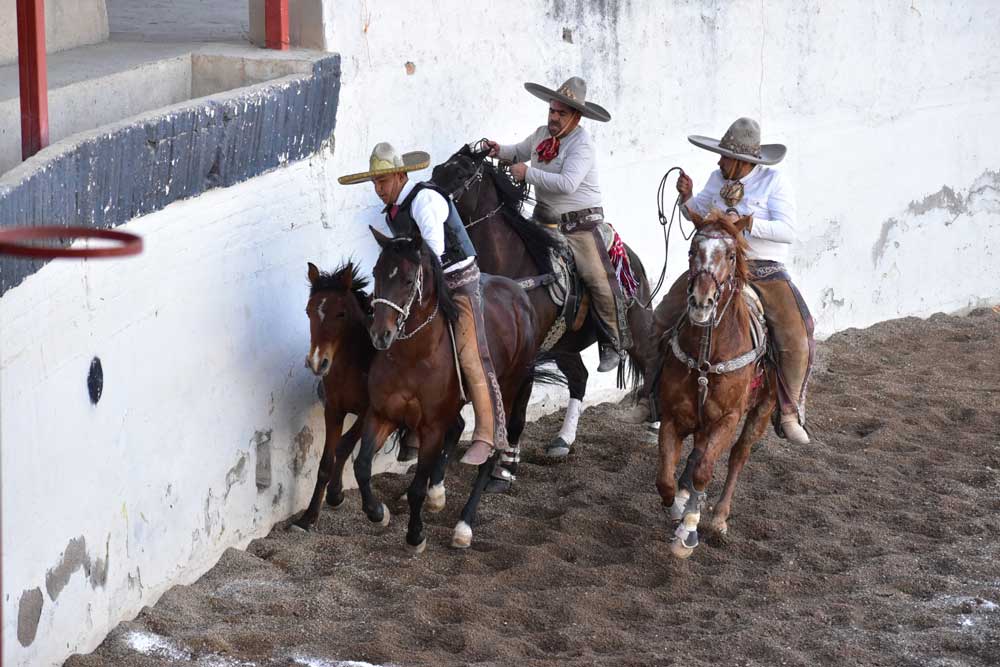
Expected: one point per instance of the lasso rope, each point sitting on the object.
(667, 225)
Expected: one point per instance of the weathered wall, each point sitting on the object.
(185, 20)
(889, 111)
(68, 24)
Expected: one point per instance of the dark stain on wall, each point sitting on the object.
(136, 169)
(29, 612)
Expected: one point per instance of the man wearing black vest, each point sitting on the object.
(409, 203)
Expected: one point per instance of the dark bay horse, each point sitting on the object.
(341, 352)
(414, 377)
(713, 373)
(507, 244)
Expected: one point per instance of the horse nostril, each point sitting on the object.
(325, 365)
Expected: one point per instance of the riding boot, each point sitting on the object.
(480, 378)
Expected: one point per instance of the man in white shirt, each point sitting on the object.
(409, 203)
(564, 173)
(744, 184)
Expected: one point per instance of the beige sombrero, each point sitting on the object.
(386, 160)
(742, 142)
(573, 94)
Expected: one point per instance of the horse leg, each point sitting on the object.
(335, 487)
(334, 425)
(373, 435)
(462, 536)
(670, 444)
(753, 429)
(506, 470)
(699, 473)
(430, 451)
(571, 365)
(435, 494)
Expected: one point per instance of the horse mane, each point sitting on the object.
(538, 241)
(413, 249)
(716, 219)
(334, 279)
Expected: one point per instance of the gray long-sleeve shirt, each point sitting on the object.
(567, 183)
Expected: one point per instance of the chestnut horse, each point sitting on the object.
(713, 373)
(341, 351)
(414, 381)
(509, 245)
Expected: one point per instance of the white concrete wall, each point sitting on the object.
(202, 340)
(889, 110)
(68, 24)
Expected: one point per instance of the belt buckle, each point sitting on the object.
(570, 225)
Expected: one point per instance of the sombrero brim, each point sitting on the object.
(413, 161)
(769, 153)
(587, 110)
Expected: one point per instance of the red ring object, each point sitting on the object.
(11, 242)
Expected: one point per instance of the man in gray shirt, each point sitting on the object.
(564, 173)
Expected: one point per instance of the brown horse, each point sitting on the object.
(509, 245)
(341, 352)
(712, 374)
(414, 378)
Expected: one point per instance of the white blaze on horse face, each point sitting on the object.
(710, 257)
(392, 274)
(321, 309)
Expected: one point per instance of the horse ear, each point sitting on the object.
(744, 223)
(698, 220)
(347, 276)
(380, 238)
(313, 273)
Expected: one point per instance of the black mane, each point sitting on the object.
(332, 281)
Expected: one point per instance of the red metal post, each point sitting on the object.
(276, 24)
(33, 76)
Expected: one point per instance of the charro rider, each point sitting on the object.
(744, 184)
(409, 203)
(564, 173)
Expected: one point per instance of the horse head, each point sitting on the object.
(717, 265)
(337, 306)
(460, 173)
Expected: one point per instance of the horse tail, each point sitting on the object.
(630, 375)
(542, 375)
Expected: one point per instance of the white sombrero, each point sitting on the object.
(386, 160)
(742, 142)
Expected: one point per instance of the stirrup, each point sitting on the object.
(501, 473)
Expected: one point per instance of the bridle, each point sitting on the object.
(416, 295)
(702, 364)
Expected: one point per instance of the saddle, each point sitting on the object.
(565, 289)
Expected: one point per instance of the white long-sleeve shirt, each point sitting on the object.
(768, 197)
(567, 183)
(430, 211)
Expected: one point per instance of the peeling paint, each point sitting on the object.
(883, 239)
(75, 557)
(237, 474)
(29, 611)
(262, 443)
(300, 454)
(945, 198)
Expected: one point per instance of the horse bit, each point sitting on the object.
(416, 294)
(457, 193)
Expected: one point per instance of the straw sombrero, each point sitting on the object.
(386, 160)
(573, 93)
(742, 142)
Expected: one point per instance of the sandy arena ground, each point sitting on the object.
(878, 544)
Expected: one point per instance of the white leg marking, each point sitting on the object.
(573, 410)
(462, 537)
(436, 498)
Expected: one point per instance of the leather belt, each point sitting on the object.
(587, 217)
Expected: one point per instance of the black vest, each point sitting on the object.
(457, 245)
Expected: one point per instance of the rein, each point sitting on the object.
(416, 294)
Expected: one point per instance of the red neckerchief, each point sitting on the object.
(549, 148)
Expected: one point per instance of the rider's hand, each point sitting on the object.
(732, 217)
(494, 148)
(518, 171)
(684, 187)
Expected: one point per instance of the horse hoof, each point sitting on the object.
(335, 502)
(721, 527)
(417, 549)
(297, 527)
(462, 537)
(381, 520)
(435, 498)
(497, 486)
(559, 449)
(679, 549)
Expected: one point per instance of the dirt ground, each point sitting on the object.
(878, 544)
